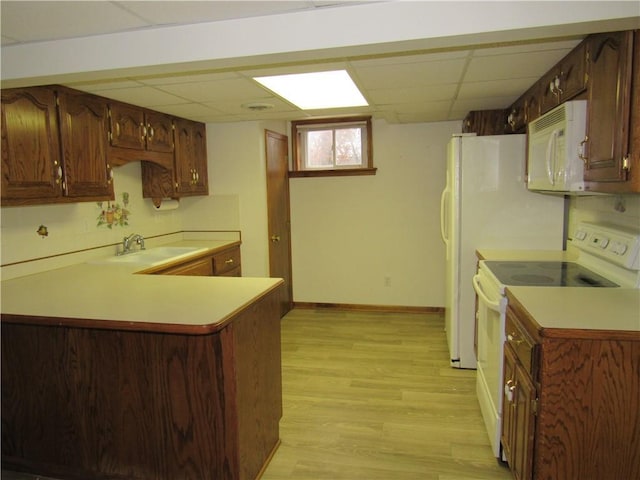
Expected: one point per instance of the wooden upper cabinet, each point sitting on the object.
(83, 139)
(191, 158)
(54, 153)
(609, 105)
(486, 122)
(566, 80)
(31, 164)
(126, 126)
(524, 110)
(140, 129)
(159, 132)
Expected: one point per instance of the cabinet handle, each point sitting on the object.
(275, 238)
(144, 130)
(509, 390)
(229, 262)
(150, 131)
(117, 129)
(58, 173)
(554, 86)
(513, 339)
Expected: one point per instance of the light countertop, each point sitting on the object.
(581, 308)
(116, 297)
(572, 307)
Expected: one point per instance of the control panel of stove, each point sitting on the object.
(618, 245)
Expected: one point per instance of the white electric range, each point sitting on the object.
(609, 257)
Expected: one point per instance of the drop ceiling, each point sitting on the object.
(401, 87)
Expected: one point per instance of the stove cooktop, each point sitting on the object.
(546, 274)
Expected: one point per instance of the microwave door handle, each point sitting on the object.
(483, 296)
(551, 157)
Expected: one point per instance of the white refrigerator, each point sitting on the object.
(486, 205)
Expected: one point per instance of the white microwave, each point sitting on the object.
(555, 139)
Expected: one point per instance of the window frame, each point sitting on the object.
(296, 165)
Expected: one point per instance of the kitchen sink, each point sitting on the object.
(151, 257)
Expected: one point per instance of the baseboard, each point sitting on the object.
(368, 308)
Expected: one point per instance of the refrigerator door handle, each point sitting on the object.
(444, 233)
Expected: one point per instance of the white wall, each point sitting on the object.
(622, 210)
(375, 240)
(237, 172)
(74, 226)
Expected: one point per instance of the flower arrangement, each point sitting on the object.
(114, 214)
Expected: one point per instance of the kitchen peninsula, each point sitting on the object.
(107, 373)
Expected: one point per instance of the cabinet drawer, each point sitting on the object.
(226, 261)
(523, 346)
(200, 268)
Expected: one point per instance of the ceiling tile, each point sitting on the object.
(411, 95)
(409, 58)
(495, 88)
(163, 12)
(411, 74)
(42, 20)
(528, 47)
(222, 90)
(496, 67)
(142, 96)
(189, 110)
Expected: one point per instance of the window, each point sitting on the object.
(332, 147)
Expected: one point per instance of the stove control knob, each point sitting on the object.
(603, 242)
(581, 235)
(619, 248)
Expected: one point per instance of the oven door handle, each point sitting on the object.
(491, 304)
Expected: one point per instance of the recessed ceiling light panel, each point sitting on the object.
(311, 91)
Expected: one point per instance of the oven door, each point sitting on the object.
(491, 309)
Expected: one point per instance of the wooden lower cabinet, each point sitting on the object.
(104, 403)
(570, 408)
(222, 263)
(518, 416)
(227, 263)
(203, 267)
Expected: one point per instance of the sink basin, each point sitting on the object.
(151, 257)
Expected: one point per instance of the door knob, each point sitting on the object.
(275, 238)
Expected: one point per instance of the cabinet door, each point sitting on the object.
(191, 157)
(127, 126)
(31, 167)
(159, 130)
(524, 425)
(610, 59)
(83, 138)
(518, 417)
(508, 405)
(566, 80)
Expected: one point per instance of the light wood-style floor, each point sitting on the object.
(371, 396)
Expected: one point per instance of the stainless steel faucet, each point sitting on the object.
(127, 241)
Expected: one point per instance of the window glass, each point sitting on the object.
(339, 146)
